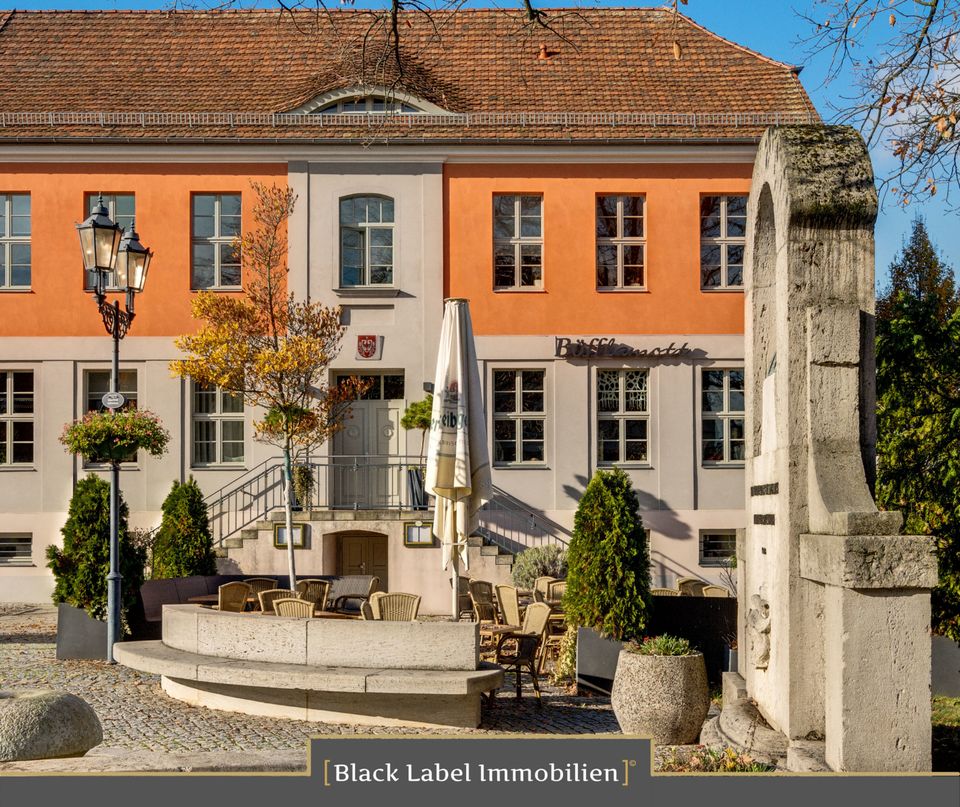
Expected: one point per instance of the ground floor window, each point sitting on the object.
(16, 549)
(717, 547)
(623, 416)
(217, 420)
(519, 417)
(16, 417)
(722, 409)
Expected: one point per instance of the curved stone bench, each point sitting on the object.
(373, 673)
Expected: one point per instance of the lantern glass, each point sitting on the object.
(99, 241)
(133, 260)
(139, 279)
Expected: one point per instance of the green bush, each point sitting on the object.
(663, 645)
(303, 485)
(183, 546)
(608, 561)
(81, 567)
(417, 416)
(539, 561)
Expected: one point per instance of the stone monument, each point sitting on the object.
(834, 603)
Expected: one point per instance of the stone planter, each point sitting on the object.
(662, 697)
(596, 661)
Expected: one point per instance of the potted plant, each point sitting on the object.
(608, 576)
(660, 690)
(183, 546)
(417, 416)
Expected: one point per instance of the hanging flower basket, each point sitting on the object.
(115, 436)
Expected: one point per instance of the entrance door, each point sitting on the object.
(367, 473)
(364, 554)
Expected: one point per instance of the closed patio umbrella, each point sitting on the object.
(458, 465)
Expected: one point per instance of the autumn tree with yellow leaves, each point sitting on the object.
(270, 349)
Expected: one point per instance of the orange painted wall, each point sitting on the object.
(57, 304)
(570, 303)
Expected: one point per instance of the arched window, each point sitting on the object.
(366, 241)
(360, 99)
(361, 105)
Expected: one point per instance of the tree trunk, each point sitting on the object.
(288, 512)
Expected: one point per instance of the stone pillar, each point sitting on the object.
(834, 638)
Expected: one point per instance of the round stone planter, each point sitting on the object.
(43, 724)
(663, 697)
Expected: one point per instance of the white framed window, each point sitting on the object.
(722, 416)
(121, 208)
(519, 417)
(97, 384)
(621, 242)
(717, 547)
(217, 426)
(517, 242)
(623, 416)
(364, 105)
(723, 229)
(366, 241)
(215, 255)
(17, 408)
(16, 549)
(15, 257)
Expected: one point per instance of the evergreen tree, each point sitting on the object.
(81, 567)
(608, 560)
(918, 411)
(183, 546)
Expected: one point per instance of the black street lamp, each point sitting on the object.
(116, 262)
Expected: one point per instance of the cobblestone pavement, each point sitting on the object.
(137, 715)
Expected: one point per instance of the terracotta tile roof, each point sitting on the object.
(167, 71)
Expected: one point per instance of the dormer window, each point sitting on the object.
(366, 105)
(368, 100)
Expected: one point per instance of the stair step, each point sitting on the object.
(249, 534)
(475, 540)
(232, 543)
(489, 549)
(220, 553)
(505, 559)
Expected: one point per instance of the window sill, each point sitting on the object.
(512, 290)
(220, 467)
(105, 466)
(219, 289)
(13, 467)
(17, 566)
(367, 291)
(736, 466)
(16, 290)
(629, 466)
(522, 466)
(728, 290)
(632, 290)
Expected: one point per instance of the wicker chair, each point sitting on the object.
(715, 591)
(665, 592)
(556, 589)
(259, 584)
(233, 596)
(394, 607)
(481, 595)
(529, 640)
(314, 591)
(690, 587)
(509, 605)
(540, 586)
(287, 606)
(342, 603)
(268, 597)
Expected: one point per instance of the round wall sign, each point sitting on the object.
(113, 400)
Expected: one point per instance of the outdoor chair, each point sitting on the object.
(690, 587)
(394, 607)
(342, 602)
(540, 586)
(509, 605)
(665, 592)
(259, 584)
(233, 596)
(464, 605)
(295, 607)
(528, 640)
(268, 597)
(555, 591)
(366, 612)
(481, 595)
(314, 591)
(715, 591)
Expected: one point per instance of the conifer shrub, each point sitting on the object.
(183, 546)
(80, 568)
(608, 560)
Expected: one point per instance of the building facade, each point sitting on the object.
(601, 252)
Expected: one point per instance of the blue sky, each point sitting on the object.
(772, 27)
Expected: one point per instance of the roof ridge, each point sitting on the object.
(791, 67)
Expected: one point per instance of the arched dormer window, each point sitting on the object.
(360, 100)
(366, 242)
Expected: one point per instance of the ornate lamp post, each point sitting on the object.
(107, 251)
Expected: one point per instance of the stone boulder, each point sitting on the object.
(43, 724)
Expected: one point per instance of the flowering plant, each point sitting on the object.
(663, 645)
(115, 436)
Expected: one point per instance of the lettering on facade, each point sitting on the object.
(568, 348)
